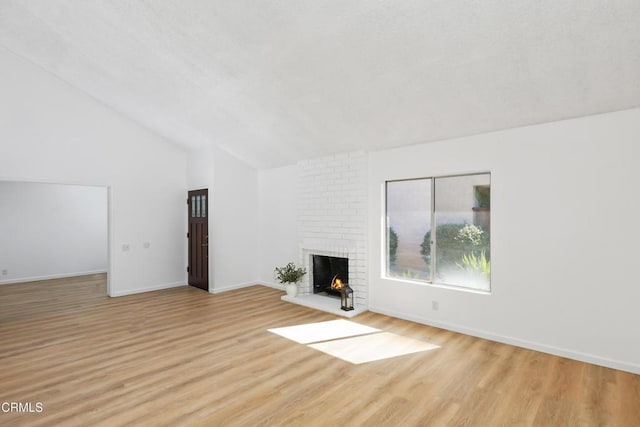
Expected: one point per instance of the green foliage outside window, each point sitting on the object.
(476, 264)
(455, 241)
(393, 246)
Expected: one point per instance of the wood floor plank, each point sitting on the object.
(182, 356)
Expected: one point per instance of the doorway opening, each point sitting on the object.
(55, 232)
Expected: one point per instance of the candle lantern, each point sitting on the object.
(346, 294)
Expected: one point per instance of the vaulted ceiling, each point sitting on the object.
(273, 82)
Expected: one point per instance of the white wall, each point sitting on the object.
(51, 231)
(51, 132)
(200, 169)
(234, 217)
(564, 238)
(233, 224)
(278, 214)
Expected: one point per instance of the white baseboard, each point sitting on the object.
(234, 287)
(50, 276)
(147, 289)
(278, 286)
(556, 351)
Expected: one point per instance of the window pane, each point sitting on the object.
(463, 256)
(204, 206)
(408, 219)
(193, 206)
(197, 206)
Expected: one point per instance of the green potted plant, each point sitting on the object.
(289, 276)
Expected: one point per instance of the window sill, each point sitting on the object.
(439, 285)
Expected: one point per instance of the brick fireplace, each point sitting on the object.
(331, 218)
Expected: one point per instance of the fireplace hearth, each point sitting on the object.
(323, 262)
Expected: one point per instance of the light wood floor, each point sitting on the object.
(185, 357)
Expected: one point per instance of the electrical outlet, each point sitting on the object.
(5, 272)
(434, 305)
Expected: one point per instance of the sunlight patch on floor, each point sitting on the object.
(369, 348)
(323, 331)
(351, 341)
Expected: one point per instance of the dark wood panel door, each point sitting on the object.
(198, 236)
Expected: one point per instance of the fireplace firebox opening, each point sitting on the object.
(326, 271)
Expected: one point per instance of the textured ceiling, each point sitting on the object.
(273, 82)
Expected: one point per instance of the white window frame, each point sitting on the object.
(432, 267)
